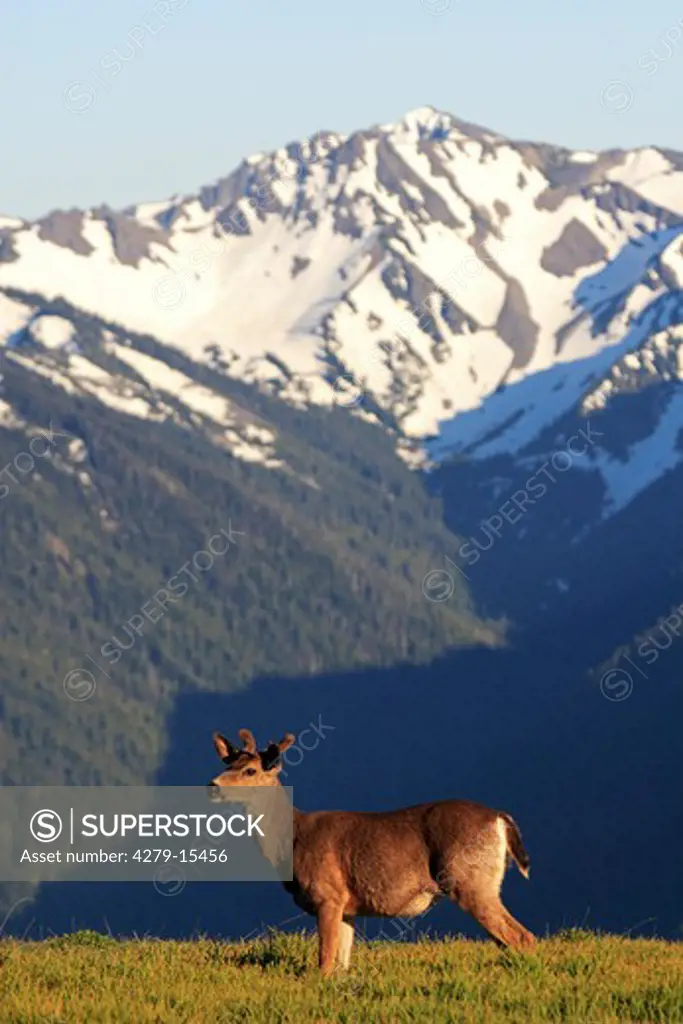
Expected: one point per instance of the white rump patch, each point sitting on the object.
(503, 833)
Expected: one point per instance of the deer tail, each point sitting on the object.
(515, 845)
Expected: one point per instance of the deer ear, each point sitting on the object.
(286, 742)
(224, 748)
(247, 737)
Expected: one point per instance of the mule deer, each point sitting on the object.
(389, 863)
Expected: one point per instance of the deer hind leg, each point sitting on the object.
(346, 934)
(499, 922)
(330, 921)
(475, 883)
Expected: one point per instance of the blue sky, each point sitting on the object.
(207, 82)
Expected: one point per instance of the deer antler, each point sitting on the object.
(271, 755)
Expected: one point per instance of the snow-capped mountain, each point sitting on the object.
(464, 289)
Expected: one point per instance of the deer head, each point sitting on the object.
(250, 766)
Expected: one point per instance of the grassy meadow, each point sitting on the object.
(574, 976)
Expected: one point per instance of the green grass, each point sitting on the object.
(575, 976)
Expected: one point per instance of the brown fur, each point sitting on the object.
(389, 863)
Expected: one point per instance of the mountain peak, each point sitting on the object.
(429, 263)
(423, 123)
(424, 115)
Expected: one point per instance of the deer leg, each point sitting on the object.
(330, 920)
(345, 944)
(500, 924)
(524, 938)
(475, 881)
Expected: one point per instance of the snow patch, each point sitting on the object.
(52, 331)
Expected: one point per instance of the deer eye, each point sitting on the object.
(250, 771)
